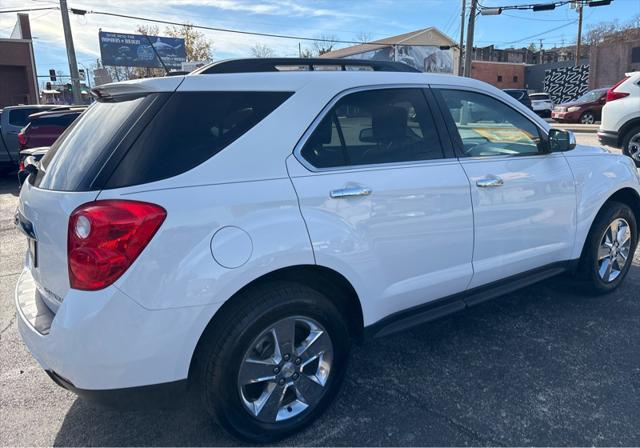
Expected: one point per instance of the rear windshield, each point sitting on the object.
(184, 129)
(517, 94)
(56, 120)
(189, 129)
(20, 117)
(75, 154)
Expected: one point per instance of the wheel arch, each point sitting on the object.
(634, 122)
(627, 196)
(324, 280)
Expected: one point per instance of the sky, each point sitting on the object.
(342, 19)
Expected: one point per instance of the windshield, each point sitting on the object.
(590, 96)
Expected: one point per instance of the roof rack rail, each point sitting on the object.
(255, 65)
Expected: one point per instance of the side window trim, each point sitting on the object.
(454, 134)
(297, 151)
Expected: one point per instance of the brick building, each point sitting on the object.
(504, 75)
(17, 66)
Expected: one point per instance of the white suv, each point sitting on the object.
(234, 231)
(620, 125)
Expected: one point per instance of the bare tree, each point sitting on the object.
(603, 30)
(196, 44)
(363, 37)
(324, 44)
(261, 51)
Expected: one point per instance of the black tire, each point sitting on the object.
(625, 145)
(224, 344)
(589, 265)
(585, 116)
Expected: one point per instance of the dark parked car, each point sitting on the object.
(30, 157)
(12, 120)
(519, 94)
(586, 110)
(44, 128)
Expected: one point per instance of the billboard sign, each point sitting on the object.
(137, 50)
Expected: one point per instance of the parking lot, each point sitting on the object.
(544, 366)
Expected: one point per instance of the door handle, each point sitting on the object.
(349, 192)
(490, 181)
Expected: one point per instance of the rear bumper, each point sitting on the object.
(609, 138)
(103, 340)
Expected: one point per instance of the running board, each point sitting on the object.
(436, 309)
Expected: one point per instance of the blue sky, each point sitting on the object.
(344, 19)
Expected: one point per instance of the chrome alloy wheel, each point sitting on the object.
(587, 118)
(285, 369)
(614, 250)
(633, 148)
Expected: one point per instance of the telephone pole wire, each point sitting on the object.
(71, 53)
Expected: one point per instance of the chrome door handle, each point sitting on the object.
(490, 181)
(349, 192)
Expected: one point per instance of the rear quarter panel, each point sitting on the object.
(598, 175)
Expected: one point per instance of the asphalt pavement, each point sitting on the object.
(544, 366)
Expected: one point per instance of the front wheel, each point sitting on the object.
(631, 145)
(587, 118)
(274, 361)
(609, 248)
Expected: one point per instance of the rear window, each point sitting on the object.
(189, 129)
(517, 94)
(59, 120)
(82, 147)
(20, 117)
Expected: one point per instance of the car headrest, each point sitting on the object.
(389, 122)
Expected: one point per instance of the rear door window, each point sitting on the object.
(189, 129)
(374, 127)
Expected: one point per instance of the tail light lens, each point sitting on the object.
(105, 237)
(613, 95)
(22, 138)
(21, 165)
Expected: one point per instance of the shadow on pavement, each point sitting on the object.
(9, 183)
(545, 366)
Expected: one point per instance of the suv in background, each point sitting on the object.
(620, 125)
(44, 128)
(541, 104)
(12, 120)
(585, 110)
(232, 234)
(521, 95)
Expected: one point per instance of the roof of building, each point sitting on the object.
(418, 37)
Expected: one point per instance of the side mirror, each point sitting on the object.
(366, 135)
(561, 141)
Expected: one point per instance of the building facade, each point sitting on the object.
(17, 66)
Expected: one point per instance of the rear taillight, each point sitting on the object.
(21, 165)
(105, 237)
(613, 95)
(22, 138)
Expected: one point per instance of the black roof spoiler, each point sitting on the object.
(259, 65)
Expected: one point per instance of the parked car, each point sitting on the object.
(43, 128)
(541, 104)
(586, 109)
(521, 95)
(12, 120)
(232, 234)
(620, 125)
(28, 157)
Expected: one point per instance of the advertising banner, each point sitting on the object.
(137, 50)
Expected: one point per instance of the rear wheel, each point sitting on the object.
(631, 145)
(587, 118)
(609, 248)
(274, 361)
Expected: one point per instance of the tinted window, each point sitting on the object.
(189, 129)
(377, 126)
(517, 94)
(20, 117)
(84, 144)
(59, 120)
(488, 127)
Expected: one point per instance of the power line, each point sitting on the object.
(27, 9)
(543, 32)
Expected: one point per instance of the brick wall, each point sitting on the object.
(499, 74)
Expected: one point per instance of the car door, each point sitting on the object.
(382, 203)
(523, 196)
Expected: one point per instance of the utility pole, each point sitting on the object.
(461, 44)
(578, 41)
(541, 58)
(71, 53)
(468, 54)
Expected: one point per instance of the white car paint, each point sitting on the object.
(425, 231)
(617, 113)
